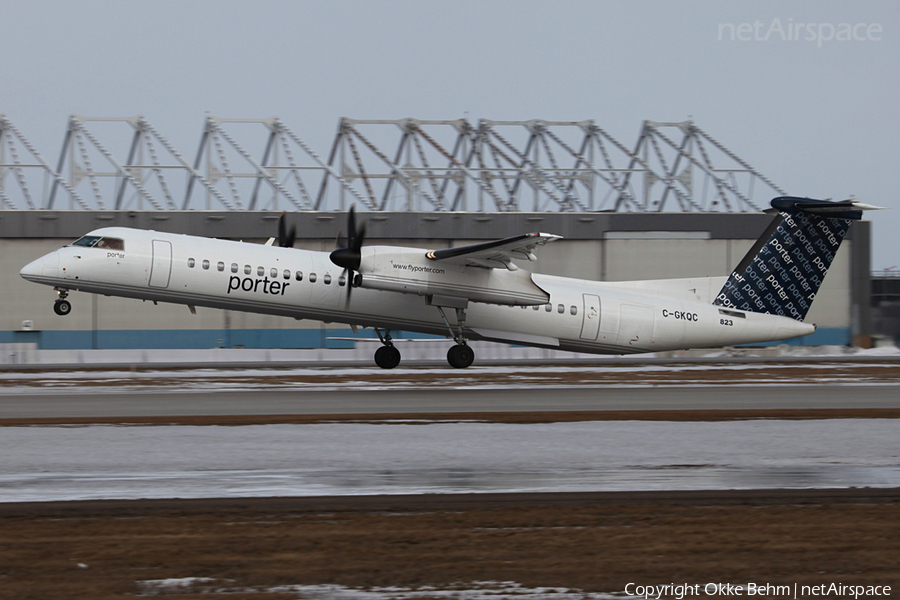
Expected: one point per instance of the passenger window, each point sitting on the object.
(221, 266)
(342, 280)
(574, 310)
(561, 309)
(536, 307)
(287, 274)
(234, 267)
(191, 263)
(247, 269)
(260, 271)
(299, 276)
(327, 279)
(273, 273)
(205, 265)
(312, 277)
(548, 307)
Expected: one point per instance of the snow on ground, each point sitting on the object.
(433, 351)
(477, 590)
(484, 377)
(90, 462)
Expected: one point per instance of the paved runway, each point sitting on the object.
(299, 432)
(72, 404)
(337, 458)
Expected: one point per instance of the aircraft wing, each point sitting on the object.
(495, 254)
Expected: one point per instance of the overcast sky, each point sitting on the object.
(818, 116)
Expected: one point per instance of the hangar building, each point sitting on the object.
(677, 203)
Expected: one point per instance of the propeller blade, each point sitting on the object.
(292, 235)
(351, 226)
(348, 257)
(360, 237)
(286, 238)
(349, 286)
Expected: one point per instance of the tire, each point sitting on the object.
(460, 356)
(62, 307)
(387, 357)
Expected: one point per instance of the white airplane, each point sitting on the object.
(475, 292)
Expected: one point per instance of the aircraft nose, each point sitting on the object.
(32, 270)
(45, 266)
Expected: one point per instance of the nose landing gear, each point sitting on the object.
(62, 307)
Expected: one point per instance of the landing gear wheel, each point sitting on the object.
(460, 356)
(62, 307)
(387, 357)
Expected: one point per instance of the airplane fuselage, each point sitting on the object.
(581, 315)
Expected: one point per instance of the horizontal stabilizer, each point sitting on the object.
(842, 209)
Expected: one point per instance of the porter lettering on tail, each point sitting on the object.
(782, 273)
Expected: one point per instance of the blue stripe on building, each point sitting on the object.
(154, 339)
(824, 336)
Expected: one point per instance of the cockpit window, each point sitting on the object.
(111, 243)
(88, 240)
(93, 241)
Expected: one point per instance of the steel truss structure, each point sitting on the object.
(407, 164)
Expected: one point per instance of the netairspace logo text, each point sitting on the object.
(790, 31)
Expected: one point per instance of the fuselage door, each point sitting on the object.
(161, 268)
(635, 326)
(590, 325)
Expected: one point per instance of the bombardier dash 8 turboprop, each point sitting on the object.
(475, 292)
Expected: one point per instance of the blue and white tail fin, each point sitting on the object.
(782, 272)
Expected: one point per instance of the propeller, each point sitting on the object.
(348, 257)
(285, 237)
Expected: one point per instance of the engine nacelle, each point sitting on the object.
(408, 271)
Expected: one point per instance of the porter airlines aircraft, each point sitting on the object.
(476, 292)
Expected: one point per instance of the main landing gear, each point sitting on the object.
(386, 357)
(62, 307)
(461, 355)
